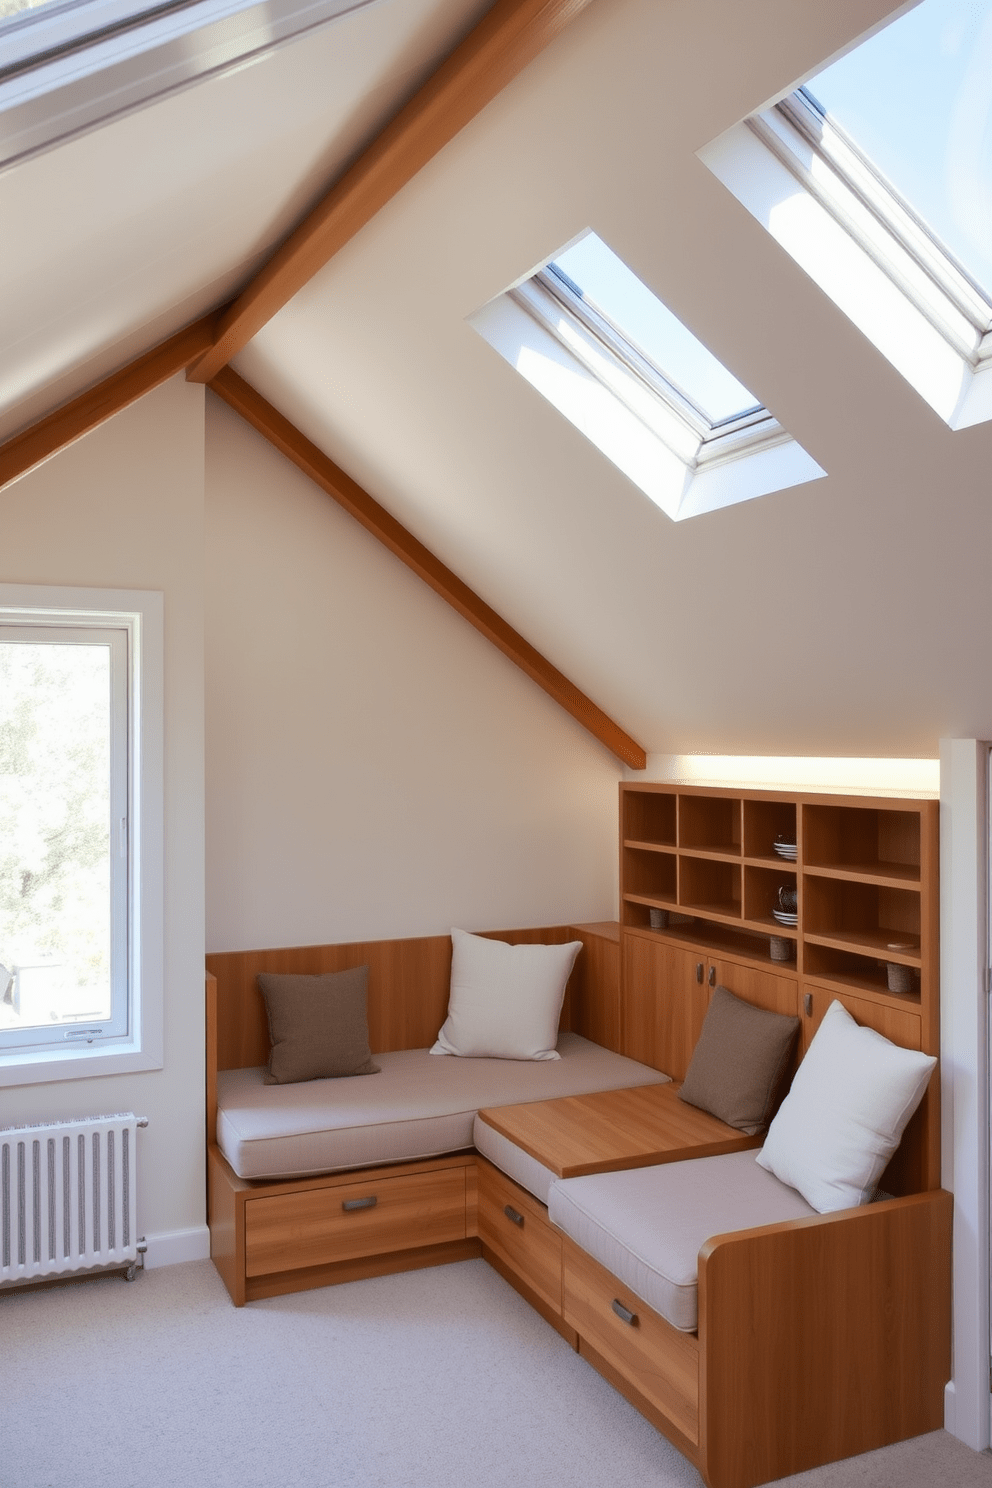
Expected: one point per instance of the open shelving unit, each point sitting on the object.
(865, 877)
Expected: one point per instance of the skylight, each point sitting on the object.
(610, 356)
(917, 99)
(605, 282)
(876, 176)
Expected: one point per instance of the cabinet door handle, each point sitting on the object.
(513, 1216)
(368, 1203)
(808, 1004)
(712, 977)
(699, 972)
(624, 1313)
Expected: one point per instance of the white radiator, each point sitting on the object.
(67, 1196)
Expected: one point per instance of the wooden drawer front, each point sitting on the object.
(531, 1248)
(658, 1360)
(311, 1228)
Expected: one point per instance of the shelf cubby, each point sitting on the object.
(651, 873)
(870, 918)
(649, 817)
(862, 842)
(763, 822)
(761, 886)
(851, 972)
(708, 886)
(710, 824)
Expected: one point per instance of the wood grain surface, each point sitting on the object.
(822, 1338)
(509, 36)
(658, 1360)
(43, 438)
(614, 1129)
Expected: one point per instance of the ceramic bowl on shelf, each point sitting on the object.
(784, 918)
(787, 850)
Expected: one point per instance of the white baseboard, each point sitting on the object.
(171, 1247)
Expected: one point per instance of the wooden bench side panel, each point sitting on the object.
(823, 1338)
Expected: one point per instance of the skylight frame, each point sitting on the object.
(56, 88)
(832, 168)
(590, 336)
(41, 34)
(588, 370)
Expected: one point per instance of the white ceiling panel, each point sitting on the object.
(160, 215)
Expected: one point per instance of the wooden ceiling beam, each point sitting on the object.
(286, 438)
(509, 36)
(76, 418)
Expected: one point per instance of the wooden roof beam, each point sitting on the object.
(76, 418)
(286, 438)
(509, 36)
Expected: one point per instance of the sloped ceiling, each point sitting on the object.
(847, 616)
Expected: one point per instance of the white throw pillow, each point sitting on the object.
(842, 1120)
(505, 1000)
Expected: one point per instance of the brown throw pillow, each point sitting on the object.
(739, 1062)
(318, 1026)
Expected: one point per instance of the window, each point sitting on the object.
(80, 833)
(876, 177)
(610, 356)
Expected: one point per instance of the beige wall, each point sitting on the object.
(374, 767)
(123, 508)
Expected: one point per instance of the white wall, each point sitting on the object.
(123, 508)
(374, 767)
(964, 1042)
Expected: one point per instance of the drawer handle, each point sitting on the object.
(699, 972)
(512, 1214)
(368, 1203)
(624, 1313)
(712, 976)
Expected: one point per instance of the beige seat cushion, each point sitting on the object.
(647, 1225)
(421, 1105)
(513, 1161)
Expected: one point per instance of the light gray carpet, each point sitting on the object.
(433, 1379)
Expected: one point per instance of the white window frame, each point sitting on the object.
(823, 200)
(133, 1041)
(665, 407)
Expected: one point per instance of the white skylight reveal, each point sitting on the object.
(876, 176)
(601, 347)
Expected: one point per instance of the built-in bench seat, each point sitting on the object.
(760, 1337)
(419, 1106)
(648, 1226)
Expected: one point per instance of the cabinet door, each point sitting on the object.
(892, 1023)
(665, 997)
(777, 994)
